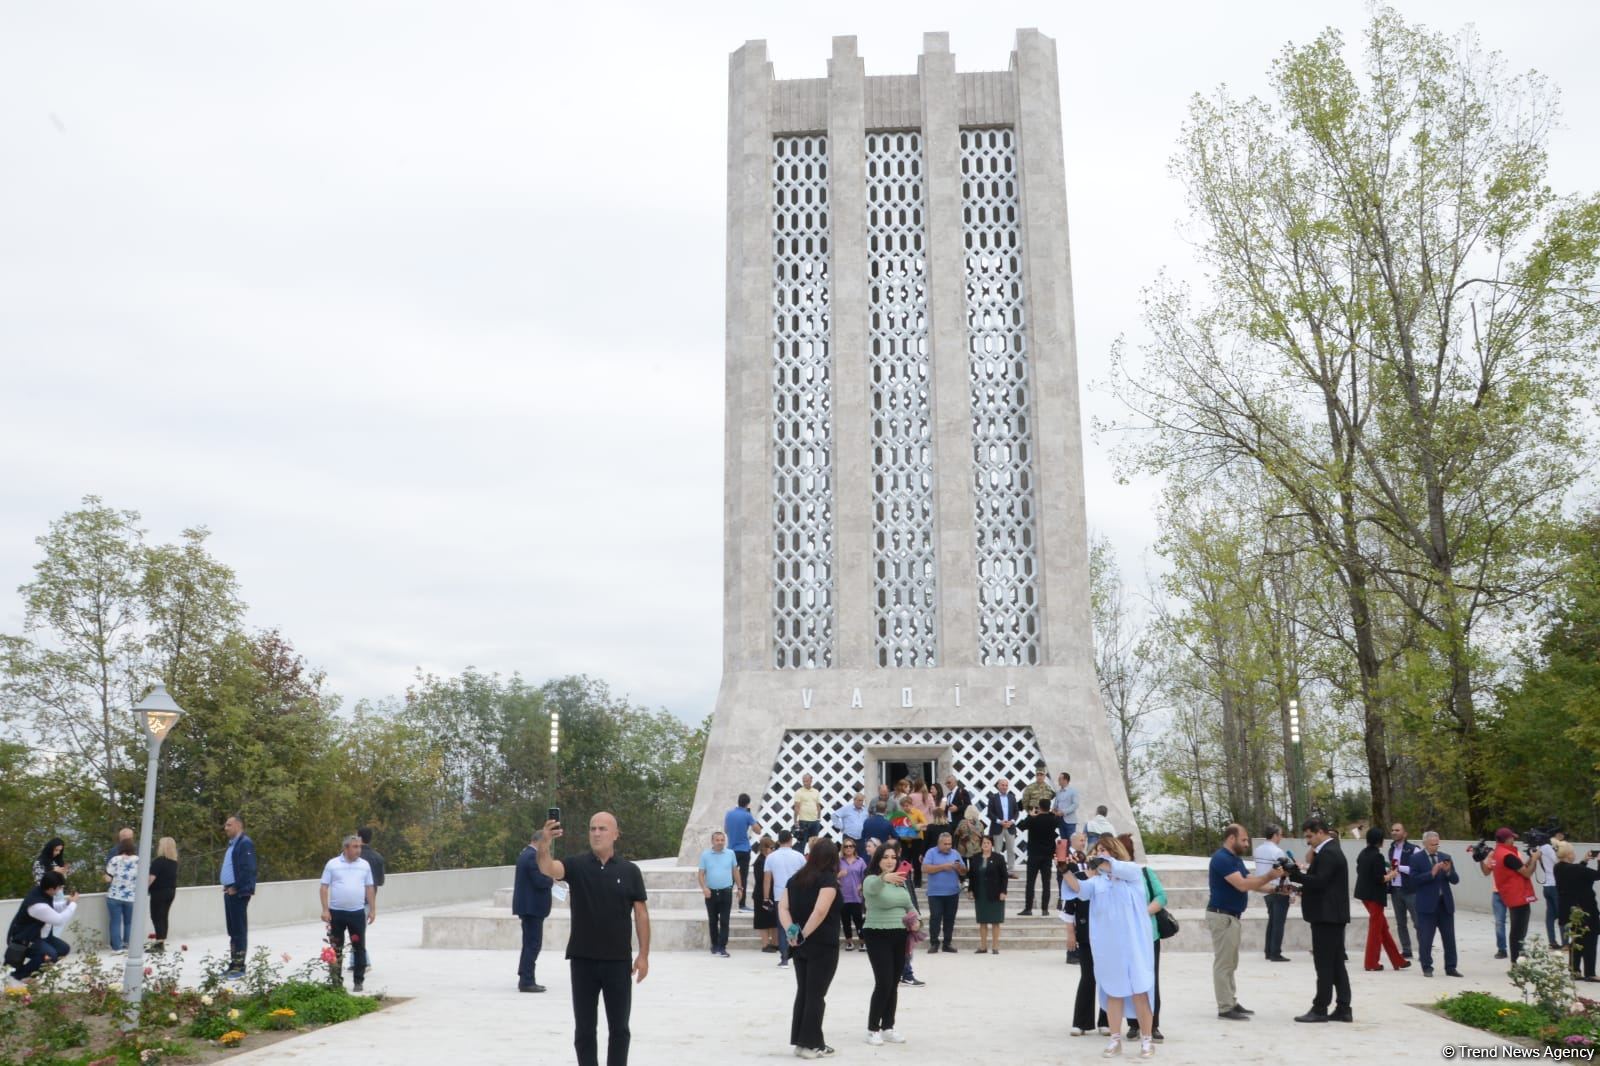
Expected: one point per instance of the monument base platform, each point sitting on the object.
(678, 919)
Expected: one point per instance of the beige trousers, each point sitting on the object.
(1225, 931)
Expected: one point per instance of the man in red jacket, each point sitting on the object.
(1513, 881)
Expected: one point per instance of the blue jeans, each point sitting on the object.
(1555, 930)
(1499, 923)
(1066, 829)
(120, 913)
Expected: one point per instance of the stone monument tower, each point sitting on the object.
(906, 572)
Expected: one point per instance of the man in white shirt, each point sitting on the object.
(1555, 929)
(32, 923)
(349, 904)
(1268, 852)
(784, 862)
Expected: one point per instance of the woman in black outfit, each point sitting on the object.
(163, 889)
(1575, 891)
(812, 902)
(1085, 1017)
(766, 917)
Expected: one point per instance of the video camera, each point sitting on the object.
(1481, 851)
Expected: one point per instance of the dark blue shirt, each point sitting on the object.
(737, 823)
(1224, 897)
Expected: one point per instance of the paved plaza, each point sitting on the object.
(463, 1006)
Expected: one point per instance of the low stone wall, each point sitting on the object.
(1474, 891)
(198, 911)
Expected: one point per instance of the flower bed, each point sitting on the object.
(72, 1013)
(1580, 1028)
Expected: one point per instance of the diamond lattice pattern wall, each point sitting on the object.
(802, 393)
(904, 605)
(836, 761)
(1002, 434)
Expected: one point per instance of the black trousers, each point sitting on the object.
(942, 919)
(1044, 867)
(1155, 1000)
(1582, 946)
(1277, 916)
(1443, 923)
(886, 950)
(532, 942)
(1327, 954)
(160, 910)
(1084, 1014)
(853, 917)
(591, 979)
(814, 966)
(719, 907)
(743, 859)
(1517, 919)
(235, 911)
(355, 923)
(1405, 906)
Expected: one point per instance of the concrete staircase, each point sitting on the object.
(678, 918)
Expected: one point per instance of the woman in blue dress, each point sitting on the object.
(1119, 931)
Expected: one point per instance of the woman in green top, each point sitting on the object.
(1158, 900)
(885, 933)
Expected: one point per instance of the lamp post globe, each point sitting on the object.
(158, 713)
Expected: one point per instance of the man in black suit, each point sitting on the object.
(530, 901)
(1325, 903)
(1003, 813)
(1433, 872)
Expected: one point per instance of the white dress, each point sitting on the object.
(1119, 931)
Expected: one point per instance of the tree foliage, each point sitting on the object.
(1396, 333)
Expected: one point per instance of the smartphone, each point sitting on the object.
(554, 814)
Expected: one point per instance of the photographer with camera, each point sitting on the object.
(1325, 904)
(1231, 886)
(1483, 855)
(1544, 842)
(1513, 882)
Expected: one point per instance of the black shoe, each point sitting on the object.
(770, 948)
(1155, 1035)
(1025, 910)
(948, 949)
(1501, 955)
(1133, 1031)
(1427, 973)
(1404, 954)
(530, 988)
(912, 981)
(1313, 1016)
(1233, 1014)
(1279, 958)
(1242, 1009)
(1072, 958)
(1453, 973)
(1342, 1014)
(357, 986)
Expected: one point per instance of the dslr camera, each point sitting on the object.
(1481, 851)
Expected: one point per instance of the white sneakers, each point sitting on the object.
(1113, 1049)
(874, 1037)
(892, 1037)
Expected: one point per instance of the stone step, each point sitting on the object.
(686, 930)
(668, 891)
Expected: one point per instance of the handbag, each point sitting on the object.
(16, 952)
(1166, 924)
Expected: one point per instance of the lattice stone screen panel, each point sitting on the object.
(836, 760)
(903, 579)
(1002, 402)
(802, 402)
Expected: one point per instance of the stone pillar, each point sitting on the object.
(852, 421)
(1058, 432)
(747, 421)
(947, 334)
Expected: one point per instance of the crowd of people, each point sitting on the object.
(35, 939)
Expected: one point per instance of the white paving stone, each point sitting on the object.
(463, 1006)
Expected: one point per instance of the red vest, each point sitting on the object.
(1514, 889)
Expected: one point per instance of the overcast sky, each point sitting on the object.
(419, 306)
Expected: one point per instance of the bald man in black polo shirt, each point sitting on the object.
(608, 901)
